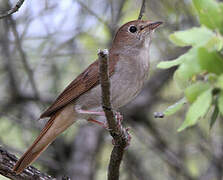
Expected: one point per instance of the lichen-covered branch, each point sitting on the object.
(120, 135)
(7, 161)
(12, 10)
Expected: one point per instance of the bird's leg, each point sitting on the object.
(98, 113)
(103, 124)
(82, 111)
(118, 117)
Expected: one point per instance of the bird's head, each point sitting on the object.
(134, 34)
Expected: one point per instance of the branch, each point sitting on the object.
(142, 10)
(120, 135)
(7, 161)
(12, 10)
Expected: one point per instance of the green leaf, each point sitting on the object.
(193, 91)
(193, 37)
(210, 61)
(210, 13)
(215, 43)
(169, 64)
(187, 69)
(220, 102)
(211, 41)
(211, 78)
(219, 83)
(198, 109)
(179, 60)
(175, 107)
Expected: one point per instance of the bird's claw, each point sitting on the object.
(119, 119)
(126, 136)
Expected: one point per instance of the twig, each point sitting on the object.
(12, 10)
(105, 85)
(7, 161)
(9, 67)
(120, 135)
(93, 14)
(24, 58)
(142, 10)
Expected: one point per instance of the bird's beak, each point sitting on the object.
(152, 25)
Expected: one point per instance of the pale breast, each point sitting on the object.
(126, 82)
(129, 80)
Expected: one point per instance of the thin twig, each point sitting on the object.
(105, 85)
(120, 135)
(8, 64)
(12, 10)
(142, 10)
(93, 14)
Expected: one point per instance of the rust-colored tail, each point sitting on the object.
(56, 125)
(35, 149)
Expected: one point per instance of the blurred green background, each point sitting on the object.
(47, 44)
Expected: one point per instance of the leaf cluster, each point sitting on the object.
(200, 70)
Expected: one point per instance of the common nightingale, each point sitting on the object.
(128, 70)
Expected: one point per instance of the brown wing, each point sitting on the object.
(84, 82)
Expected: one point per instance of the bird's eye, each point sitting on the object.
(132, 29)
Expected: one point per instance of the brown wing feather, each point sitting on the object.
(84, 82)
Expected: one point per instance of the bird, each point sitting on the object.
(128, 70)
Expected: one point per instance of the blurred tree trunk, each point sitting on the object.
(87, 145)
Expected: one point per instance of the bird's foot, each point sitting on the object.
(119, 119)
(126, 136)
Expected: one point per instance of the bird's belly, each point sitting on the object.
(123, 90)
(124, 87)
